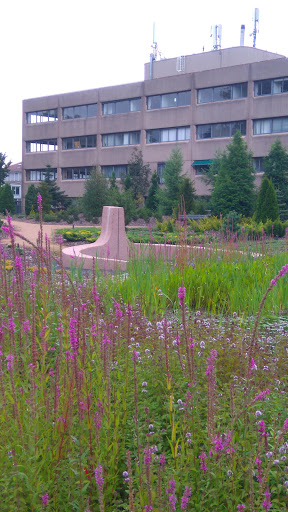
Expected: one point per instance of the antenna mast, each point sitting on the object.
(256, 26)
(216, 33)
(154, 53)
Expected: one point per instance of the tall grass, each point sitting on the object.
(104, 409)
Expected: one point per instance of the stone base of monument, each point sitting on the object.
(110, 250)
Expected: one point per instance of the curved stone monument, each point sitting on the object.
(111, 248)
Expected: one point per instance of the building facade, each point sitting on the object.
(196, 102)
(14, 179)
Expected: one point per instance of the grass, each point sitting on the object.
(174, 409)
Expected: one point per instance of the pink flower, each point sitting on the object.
(39, 203)
(203, 464)
(45, 500)
(181, 295)
(267, 503)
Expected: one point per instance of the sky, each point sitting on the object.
(67, 45)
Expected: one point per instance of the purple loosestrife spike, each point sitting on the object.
(267, 503)
(185, 498)
(171, 495)
(99, 476)
(240, 508)
(9, 360)
(181, 295)
(285, 426)
(39, 202)
(203, 464)
(162, 460)
(45, 500)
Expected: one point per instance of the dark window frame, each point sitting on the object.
(212, 127)
(74, 107)
(159, 100)
(77, 142)
(216, 89)
(120, 103)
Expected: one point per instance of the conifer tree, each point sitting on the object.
(152, 201)
(276, 169)
(234, 183)
(7, 200)
(267, 205)
(58, 198)
(169, 195)
(139, 174)
(96, 195)
(4, 168)
(31, 199)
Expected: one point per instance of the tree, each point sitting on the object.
(139, 174)
(152, 201)
(267, 205)
(169, 195)
(31, 199)
(44, 190)
(96, 195)
(234, 183)
(187, 191)
(7, 200)
(4, 168)
(59, 200)
(276, 169)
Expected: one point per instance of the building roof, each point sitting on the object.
(16, 167)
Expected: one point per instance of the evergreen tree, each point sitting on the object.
(96, 195)
(44, 190)
(169, 195)
(31, 199)
(234, 184)
(139, 174)
(59, 200)
(112, 181)
(276, 169)
(4, 168)
(267, 205)
(152, 202)
(7, 200)
(187, 191)
(127, 201)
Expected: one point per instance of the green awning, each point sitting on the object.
(202, 162)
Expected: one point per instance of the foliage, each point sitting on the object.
(187, 194)
(231, 223)
(154, 404)
(169, 195)
(96, 195)
(7, 199)
(267, 205)
(166, 225)
(234, 185)
(275, 228)
(44, 190)
(128, 203)
(31, 199)
(59, 200)
(152, 201)
(4, 168)
(276, 169)
(139, 173)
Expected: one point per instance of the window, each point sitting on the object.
(35, 146)
(270, 86)
(218, 130)
(175, 99)
(16, 190)
(83, 142)
(160, 168)
(119, 170)
(42, 116)
(222, 93)
(168, 135)
(76, 173)
(39, 174)
(274, 125)
(121, 139)
(121, 106)
(201, 166)
(79, 111)
(258, 164)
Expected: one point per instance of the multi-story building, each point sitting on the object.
(196, 102)
(14, 179)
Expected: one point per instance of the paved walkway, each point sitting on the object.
(31, 230)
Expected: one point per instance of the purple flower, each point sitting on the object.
(181, 295)
(185, 498)
(147, 456)
(99, 477)
(267, 503)
(203, 464)
(39, 203)
(125, 474)
(9, 360)
(162, 460)
(285, 426)
(240, 507)
(171, 495)
(45, 497)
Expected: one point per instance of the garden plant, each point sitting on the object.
(121, 394)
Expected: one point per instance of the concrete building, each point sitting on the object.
(196, 102)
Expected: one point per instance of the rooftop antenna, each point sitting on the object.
(154, 53)
(242, 35)
(216, 33)
(256, 26)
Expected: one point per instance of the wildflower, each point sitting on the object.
(253, 365)
(259, 469)
(240, 507)
(144, 384)
(267, 503)
(285, 426)
(147, 456)
(162, 460)
(202, 344)
(99, 477)
(45, 497)
(150, 426)
(125, 474)
(185, 498)
(181, 295)
(258, 413)
(276, 462)
(39, 202)
(269, 455)
(171, 494)
(262, 394)
(9, 360)
(229, 472)
(203, 464)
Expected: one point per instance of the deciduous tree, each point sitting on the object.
(276, 169)
(4, 168)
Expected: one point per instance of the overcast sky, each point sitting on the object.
(67, 45)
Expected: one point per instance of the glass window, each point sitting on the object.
(203, 131)
(119, 170)
(135, 105)
(181, 134)
(80, 111)
(41, 145)
(92, 110)
(41, 116)
(262, 87)
(39, 174)
(169, 100)
(205, 95)
(172, 134)
(121, 106)
(222, 93)
(68, 113)
(239, 91)
(120, 139)
(258, 164)
(174, 99)
(184, 98)
(154, 102)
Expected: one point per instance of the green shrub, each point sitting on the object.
(211, 224)
(144, 213)
(166, 226)
(276, 228)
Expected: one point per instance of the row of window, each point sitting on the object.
(83, 173)
(182, 133)
(158, 101)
